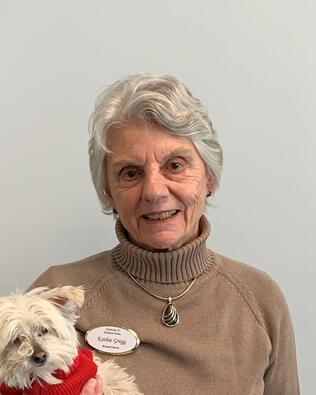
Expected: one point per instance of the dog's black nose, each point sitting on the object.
(39, 357)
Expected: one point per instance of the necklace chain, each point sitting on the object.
(170, 316)
(163, 297)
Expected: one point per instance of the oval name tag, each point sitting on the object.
(112, 340)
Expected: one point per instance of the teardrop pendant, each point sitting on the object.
(170, 316)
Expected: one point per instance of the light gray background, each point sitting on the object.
(252, 63)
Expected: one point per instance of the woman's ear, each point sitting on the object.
(209, 185)
(108, 196)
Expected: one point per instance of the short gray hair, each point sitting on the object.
(153, 99)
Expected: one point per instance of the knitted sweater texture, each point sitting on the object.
(235, 334)
(82, 369)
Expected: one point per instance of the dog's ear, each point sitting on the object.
(68, 298)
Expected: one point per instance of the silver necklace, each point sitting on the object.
(170, 316)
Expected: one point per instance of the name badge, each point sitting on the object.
(112, 340)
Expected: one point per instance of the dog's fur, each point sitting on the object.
(42, 322)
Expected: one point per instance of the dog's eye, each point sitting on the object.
(42, 331)
(17, 341)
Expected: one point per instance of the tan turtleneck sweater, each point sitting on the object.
(235, 334)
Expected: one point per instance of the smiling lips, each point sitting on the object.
(160, 216)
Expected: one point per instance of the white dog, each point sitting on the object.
(39, 351)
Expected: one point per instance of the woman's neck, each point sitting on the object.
(180, 265)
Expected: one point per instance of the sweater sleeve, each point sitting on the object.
(281, 377)
(46, 279)
(271, 310)
(86, 272)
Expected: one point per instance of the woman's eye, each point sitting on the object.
(129, 174)
(175, 165)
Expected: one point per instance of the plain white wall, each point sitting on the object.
(252, 62)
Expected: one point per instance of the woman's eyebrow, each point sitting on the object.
(185, 152)
(124, 163)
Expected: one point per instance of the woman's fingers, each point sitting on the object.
(92, 387)
(99, 386)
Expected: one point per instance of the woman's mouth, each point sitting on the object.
(160, 216)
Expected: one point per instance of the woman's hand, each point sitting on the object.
(92, 387)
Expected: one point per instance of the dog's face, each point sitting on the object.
(37, 334)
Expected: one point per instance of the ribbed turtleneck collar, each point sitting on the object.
(182, 264)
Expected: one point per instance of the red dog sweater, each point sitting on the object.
(82, 369)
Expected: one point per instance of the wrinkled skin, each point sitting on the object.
(151, 171)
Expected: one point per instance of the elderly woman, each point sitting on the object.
(206, 324)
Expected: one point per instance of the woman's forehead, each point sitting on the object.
(136, 138)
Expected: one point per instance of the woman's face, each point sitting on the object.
(158, 185)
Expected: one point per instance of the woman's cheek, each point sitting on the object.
(194, 198)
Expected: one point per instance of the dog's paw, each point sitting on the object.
(116, 381)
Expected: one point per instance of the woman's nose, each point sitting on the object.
(155, 187)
